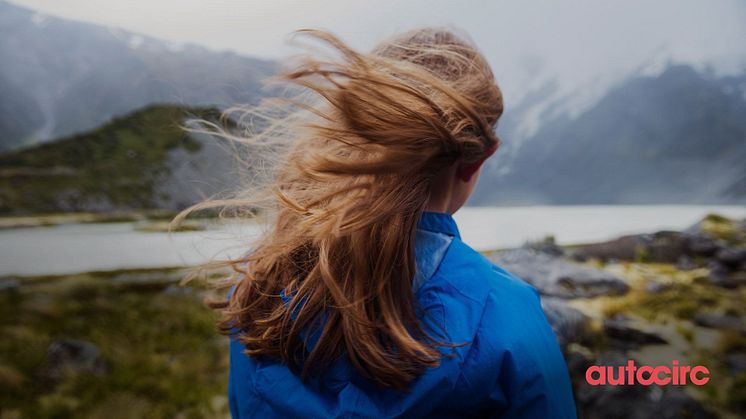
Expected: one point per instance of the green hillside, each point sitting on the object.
(115, 167)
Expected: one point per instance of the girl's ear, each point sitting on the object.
(466, 171)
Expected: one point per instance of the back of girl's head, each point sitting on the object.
(355, 165)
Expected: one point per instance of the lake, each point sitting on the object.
(74, 248)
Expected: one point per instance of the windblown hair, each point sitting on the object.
(355, 166)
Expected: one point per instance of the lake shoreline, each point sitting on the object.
(651, 297)
(72, 247)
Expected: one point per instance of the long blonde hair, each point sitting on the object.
(354, 169)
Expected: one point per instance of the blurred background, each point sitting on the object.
(619, 192)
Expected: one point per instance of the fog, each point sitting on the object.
(570, 44)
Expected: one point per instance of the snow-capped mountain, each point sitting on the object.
(58, 77)
(674, 135)
(656, 127)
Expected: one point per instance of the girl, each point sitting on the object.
(361, 300)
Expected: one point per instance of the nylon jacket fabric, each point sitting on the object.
(510, 366)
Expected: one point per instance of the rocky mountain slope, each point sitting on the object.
(678, 137)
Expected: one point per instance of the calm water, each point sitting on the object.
(86, 247)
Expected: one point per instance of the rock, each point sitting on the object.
(701, 244)
(556, 277)
(569, 324)
(622, 331)
(719, 321)
(731, 257)
(736, 363)
(74, 356)
(623, 248)
(673, 403)
(605, 401)
(631, 401)
(577, 364)
(657, 287)
(660, 247)
(665, 246)
(9, 285)
(722, 276)
(548, 246)
(685, 263)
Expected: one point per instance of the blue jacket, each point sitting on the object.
(511, 367)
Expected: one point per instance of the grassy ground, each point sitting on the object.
(670, 313)
(165, 359)
(158, 340)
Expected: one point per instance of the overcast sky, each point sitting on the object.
(574, 41)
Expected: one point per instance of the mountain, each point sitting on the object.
(144, 160)
(675, 137)
(59, 77)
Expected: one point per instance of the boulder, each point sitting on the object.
(548, 245)
(557, 277)
(733, 258)
(665, 246)
(9, 285)
(660, 247)
(72, 356)
(736, 363)
(569, 324)
(625, 333)
(720, 321)
(623, 248)
(702, 244)
(722, 276)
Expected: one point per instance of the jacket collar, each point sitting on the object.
(439, 222)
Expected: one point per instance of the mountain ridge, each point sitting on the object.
(678, 137)
(60, 77)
